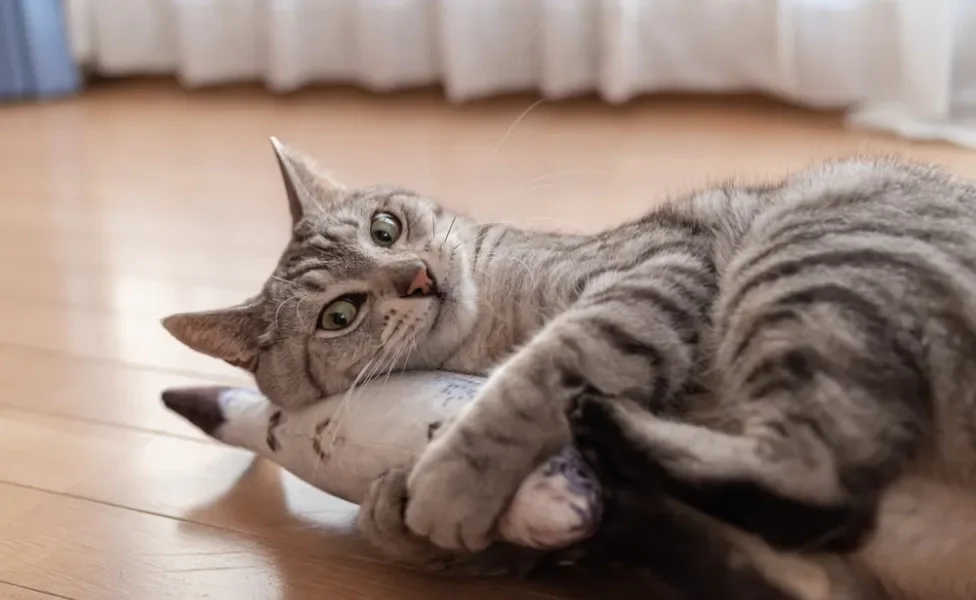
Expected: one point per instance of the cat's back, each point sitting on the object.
(890, 193)
(901, 236)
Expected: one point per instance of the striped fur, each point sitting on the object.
(826, 325)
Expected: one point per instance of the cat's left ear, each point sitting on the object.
(229, 334)
(308, 187)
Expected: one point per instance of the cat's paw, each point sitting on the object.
(381, 521)
(454, 496)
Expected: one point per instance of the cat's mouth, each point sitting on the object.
(438, 305)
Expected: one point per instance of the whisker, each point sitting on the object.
(373, 373)
(515, 123)
(527, 43)
(342, 403)
(454, 220)
(298, 313)
(278, 310)
(389, 336)
(282, 280)
(392, 364)
(548, 176)
(406, 361)
(349, 395)
(349, 399)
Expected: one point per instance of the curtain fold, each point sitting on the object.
(905, 65)
(35, 60)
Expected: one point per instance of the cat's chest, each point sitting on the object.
(489, 344)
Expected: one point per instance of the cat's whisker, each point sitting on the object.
(335, 421)
(493, 223)
(348, 396)
(349, 405)
(349, 399)
(298, 313)
(406, 361)
(278, 310)
(386, 337)
(361, 382)
(453, 221)
(514, 124)
(501, 256)
(282, 280)
(392, 364)
(537, 310)
(525, 191)
(549, 176)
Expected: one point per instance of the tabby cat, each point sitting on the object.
(787, 362)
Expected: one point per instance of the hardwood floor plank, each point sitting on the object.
(94, 390)
(9, 591)
(114, 292)
(201, 264)
(130, 340)
(90, 551)
(183, 479)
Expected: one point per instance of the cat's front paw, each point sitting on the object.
(381, 521)
(457, 491)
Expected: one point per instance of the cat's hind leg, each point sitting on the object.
(819, 407)
(729, 477)
(821, 389)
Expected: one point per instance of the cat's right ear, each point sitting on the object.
(308, 187)
(229, 334)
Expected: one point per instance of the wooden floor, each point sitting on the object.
(136, 200)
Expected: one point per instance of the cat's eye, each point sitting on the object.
(385, 229)
(339, 314)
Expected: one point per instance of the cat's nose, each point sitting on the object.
(412, 278)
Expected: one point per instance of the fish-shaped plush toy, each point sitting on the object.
(341, 444)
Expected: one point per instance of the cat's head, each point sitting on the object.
(371, 279)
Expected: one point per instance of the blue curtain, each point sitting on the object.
(35, 54)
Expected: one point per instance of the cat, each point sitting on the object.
(776, 358)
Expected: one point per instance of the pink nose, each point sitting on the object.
(422, 284)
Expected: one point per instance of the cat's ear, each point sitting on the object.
(308, 187)
(229, 334)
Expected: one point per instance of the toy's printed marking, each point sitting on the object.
(580, 479)
(317, 440)
(273, 423)
(456, 389)
(432, 429)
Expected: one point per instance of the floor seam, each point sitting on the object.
(35, 590)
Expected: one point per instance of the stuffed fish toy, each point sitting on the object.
(342, 444)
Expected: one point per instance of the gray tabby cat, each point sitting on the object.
(780, 360)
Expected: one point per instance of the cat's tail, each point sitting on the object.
(235, 416)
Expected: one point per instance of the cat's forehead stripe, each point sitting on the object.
(341, 260)
(316, 279)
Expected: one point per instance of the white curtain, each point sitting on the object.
(905, 65)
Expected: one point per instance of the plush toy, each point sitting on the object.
(341, 444)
